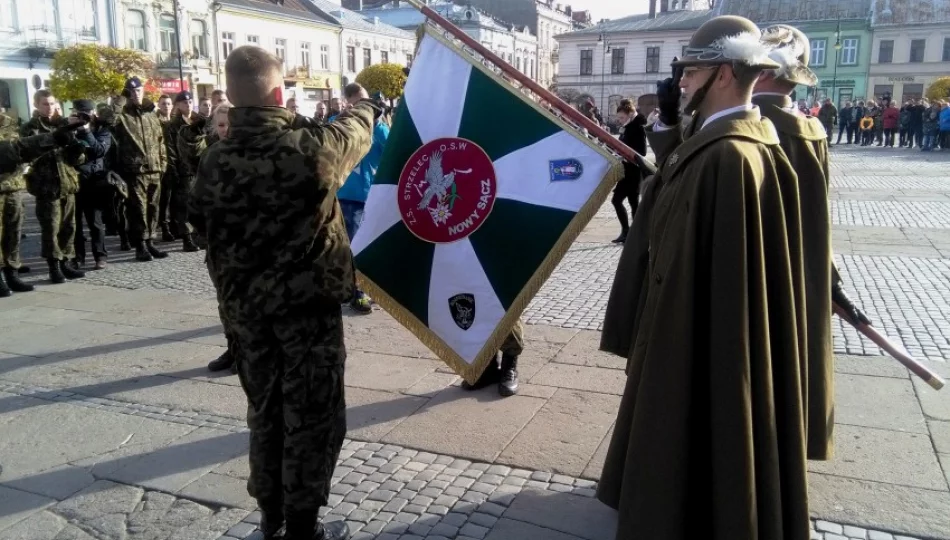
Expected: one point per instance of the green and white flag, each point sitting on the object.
(479, 194)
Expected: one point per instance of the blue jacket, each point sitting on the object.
(97, 143)
(945, 119)
(357, 184)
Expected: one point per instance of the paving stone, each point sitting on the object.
(422, 501)
(416, 509)
(343, 509)
(383, 495)
(541, 476)
(492, 479)
(361, 515)
(855, 532)
(420, 529)
(426, 476)
(482, 487)
(444, 529)
(374, 527)
(355, 497)
(455, 519)
(395, 505)
(483, 519)
(406, 518)
(392, 485)
(474, 531)
(454, 491)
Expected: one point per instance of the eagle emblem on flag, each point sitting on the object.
(468, 207)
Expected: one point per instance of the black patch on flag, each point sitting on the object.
(462, 307)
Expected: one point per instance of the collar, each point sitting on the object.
(732, 110)
(782, 101)
(747, 124)
(253, 121)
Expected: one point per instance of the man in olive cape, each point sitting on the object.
(805, 143)
(709, 441)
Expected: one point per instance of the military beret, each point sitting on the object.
(183, 96)
(84, 105)
(132, 83)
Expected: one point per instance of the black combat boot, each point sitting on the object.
(335, 530)
(508, 386)
(4, 290)
(188, 244)
(154, 251)
(490, 376)
(221, 363)
(70, 271)
(272, 521)
(12, 278)
(24, 269)
(55, 271)
(141, 252)
(167, 235)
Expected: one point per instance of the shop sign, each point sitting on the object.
(171, 86)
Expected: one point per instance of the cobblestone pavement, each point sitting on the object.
(382, 491)
(923, 214)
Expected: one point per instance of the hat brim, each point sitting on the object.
(696, 61)
(801, 75)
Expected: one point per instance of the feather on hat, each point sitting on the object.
(791, 50)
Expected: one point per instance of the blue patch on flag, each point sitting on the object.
(565, 169)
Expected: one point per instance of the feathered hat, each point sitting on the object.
(791, 49)
(725, 40)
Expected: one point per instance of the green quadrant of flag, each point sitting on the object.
(462, 297)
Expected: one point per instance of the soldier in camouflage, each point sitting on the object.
(164, 112)
(281, 263)
(54, 181)
(140, 161)
(12, 185)
(181, 178)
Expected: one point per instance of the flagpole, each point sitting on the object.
(606, 138)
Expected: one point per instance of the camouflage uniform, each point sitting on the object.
(12, 185)
(281, 262)
(140, 161)
(514, 343)
(180, 176)
(54, 181)
(168, 180)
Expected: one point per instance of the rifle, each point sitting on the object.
(898, 352)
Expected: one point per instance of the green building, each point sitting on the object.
(840, 35)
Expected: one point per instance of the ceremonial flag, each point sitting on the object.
(479, 194)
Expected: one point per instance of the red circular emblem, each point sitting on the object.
(446, 190)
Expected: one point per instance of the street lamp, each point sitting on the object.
(834, 77)
(181, 73)
(603, 67)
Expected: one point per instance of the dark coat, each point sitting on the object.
(97, 144)
(634, 135)
(805, 144)
(709, 440)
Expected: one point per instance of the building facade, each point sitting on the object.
(517, 46)
(624, 58)
(307, 42)
(840, 38)
(910, 48)
(366, 41)
(150, 26)
(31, 31)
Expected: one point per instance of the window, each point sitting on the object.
(280, 49)
(653, 59)
(683, 52)
(325, 57)
(8, 14)
(617, 60)
(913, 91)
(587, 62)
(409, 60)
(305, 55)
(885, 53)
(946, 49)
(76, 17)
(917, 47)
(166, 33)
(253, 40)
(881, 89)
(849, 51)
(819, 48)
(135, 24)
(532, 68)
(44, 15)
(351, 59)
(367, 58)
(227, 43)
(199, 38)
(384, 57)
(518, 63)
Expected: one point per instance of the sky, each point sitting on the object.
(609, 9)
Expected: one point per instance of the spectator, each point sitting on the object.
(867, 129)
(905, 136)
(844, 122)
(945, 127)
(633, 134)
(891, 120)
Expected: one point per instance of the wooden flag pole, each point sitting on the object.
(922, 371)
(556, 102)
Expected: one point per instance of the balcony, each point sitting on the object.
(189, 60)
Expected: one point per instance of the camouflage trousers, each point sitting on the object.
(291, 369)
(141, 208)
(11, 228)
(179, 204)
(165, 199)
(514, 343)
(57, 219)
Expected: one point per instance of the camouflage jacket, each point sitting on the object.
(139, 141)
(14, 180)
(192, 144)
(15, 153)
(53, 174)
(266, 198)
(174, 129)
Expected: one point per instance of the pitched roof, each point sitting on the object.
(290, 8)
(670, 20)
(410, 17)
(353, 20)
(910, 12)
(774, 11)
